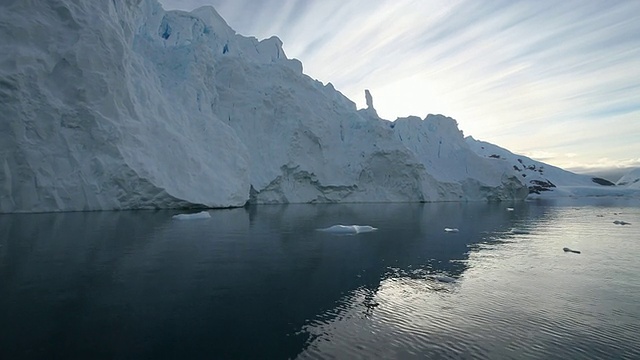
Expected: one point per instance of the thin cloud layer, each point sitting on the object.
(555, 77)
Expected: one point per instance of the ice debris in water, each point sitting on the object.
(441, 278)
(349, 229)
(620, 222)
(510, 209)
(451, 230)
(196, 216)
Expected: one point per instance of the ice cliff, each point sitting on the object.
(122, 105)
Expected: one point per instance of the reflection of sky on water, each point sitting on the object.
(141, 284)
(519, 296)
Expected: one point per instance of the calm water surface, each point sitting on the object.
(262, 283)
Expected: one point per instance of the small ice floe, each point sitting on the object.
(349, 229)
(196, 216)
(510, 209)
(519, 231)
(444, 279)
(620, 222)
(569, 250)
(451, 230)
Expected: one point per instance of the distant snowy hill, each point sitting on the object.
(631, 179)
(123, 105)
(545, 180)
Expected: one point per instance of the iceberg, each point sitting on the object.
(111, 105)
(349, 229)
(441, 278)
(451, 230)
(197, 216)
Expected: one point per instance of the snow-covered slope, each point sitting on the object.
(122, 105)
(545, 180)
(630, 179)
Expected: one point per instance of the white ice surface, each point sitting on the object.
(630, 180)
(441, 278)
(123, 105)
(197, 216)
(349, 229)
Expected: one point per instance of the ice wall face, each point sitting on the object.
(90, 122)
(307, 142)
(461, 174)
(122, 105)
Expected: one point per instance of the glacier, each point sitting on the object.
(113, 105)
(548, 181)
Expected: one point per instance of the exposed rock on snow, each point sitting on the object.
(601, 181)
(122, 105)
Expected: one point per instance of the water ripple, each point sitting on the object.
(521, 297)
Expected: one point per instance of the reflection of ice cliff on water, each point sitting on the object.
(238, 256)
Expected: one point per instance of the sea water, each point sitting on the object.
(263, 283)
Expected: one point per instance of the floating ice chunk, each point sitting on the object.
(196, 216)
(451, 230)
(569, 250)
(349, 229)
(510, 209)
(620, 222)
(441, 278)
(519, 231)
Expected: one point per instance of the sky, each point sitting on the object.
(558, 81)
